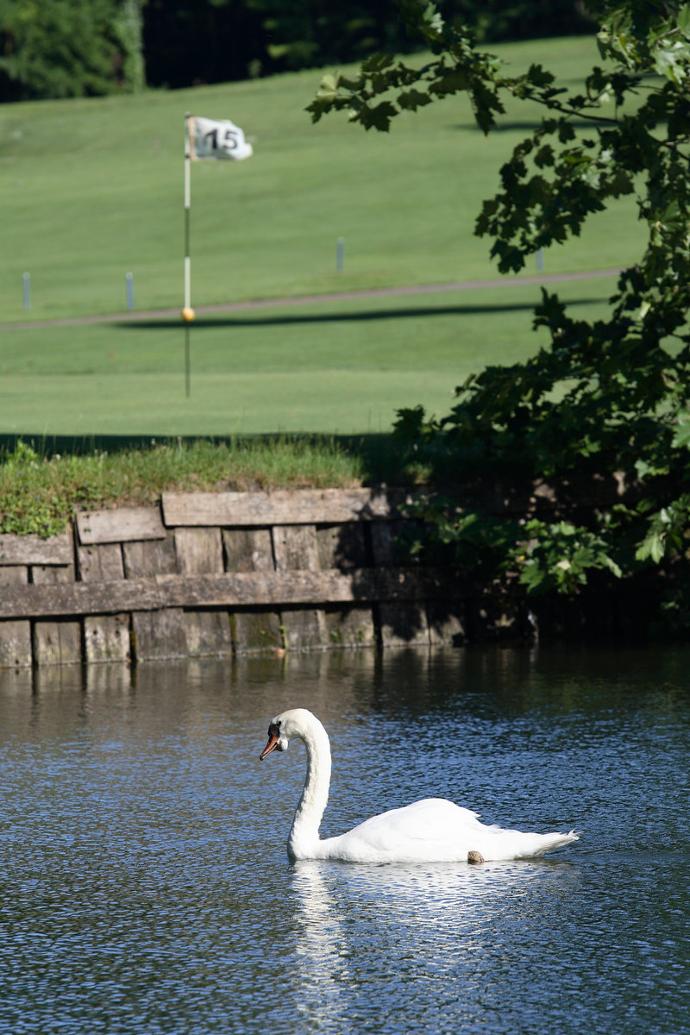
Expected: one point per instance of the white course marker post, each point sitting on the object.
(340, 255)
(26, 290)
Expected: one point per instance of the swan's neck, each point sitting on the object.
(304, 835)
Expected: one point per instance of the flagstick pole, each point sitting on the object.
(187, 311)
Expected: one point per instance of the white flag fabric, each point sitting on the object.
(212, 139)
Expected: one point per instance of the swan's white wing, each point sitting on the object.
(429, 829)
(435, 830)
(433, 818)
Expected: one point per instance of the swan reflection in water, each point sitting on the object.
(433, 931)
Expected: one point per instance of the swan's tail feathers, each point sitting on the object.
(549, 842)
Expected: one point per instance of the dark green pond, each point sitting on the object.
(145, 886)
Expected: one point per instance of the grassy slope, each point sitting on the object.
(92, 190)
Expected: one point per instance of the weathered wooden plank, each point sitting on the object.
(403, 625)
(296, 547)
(199, 551)
(539, 496)
(387, 543)
(230, 590)
(282, 507)
(100, 563)
(382, 543)
(248, 549)
(256, 632)
(305, 629)
(351, 627)
(15, 644)
(159, 635)
(47, 575)
(150, 557)
(208, 633)
(342, 546)
(16, 575)
(125, 524)
(106, 638)
(447, 623)
(57, 643)
(29, 549)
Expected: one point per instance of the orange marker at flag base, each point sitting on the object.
(188, 314)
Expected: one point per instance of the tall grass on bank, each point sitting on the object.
(38, 494)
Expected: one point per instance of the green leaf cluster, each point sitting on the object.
(559, 556)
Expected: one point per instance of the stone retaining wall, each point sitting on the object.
(221, 573)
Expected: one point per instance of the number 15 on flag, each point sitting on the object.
(209, 138)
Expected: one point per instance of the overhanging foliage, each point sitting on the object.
(603, 397)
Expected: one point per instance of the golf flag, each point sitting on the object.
(204, 138)
(212, 139)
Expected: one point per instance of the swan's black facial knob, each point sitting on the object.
(274, 742)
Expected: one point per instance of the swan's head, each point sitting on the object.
(293, 723)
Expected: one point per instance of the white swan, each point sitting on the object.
(431, 830)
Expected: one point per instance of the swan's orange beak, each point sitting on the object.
(272, 743)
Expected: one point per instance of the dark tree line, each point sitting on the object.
(65, 48)
(68, 48)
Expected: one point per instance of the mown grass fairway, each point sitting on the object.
(93, 189)
(340, 368)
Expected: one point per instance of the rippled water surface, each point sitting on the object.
(145, 886)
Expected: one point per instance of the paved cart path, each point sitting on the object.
(142, 315)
